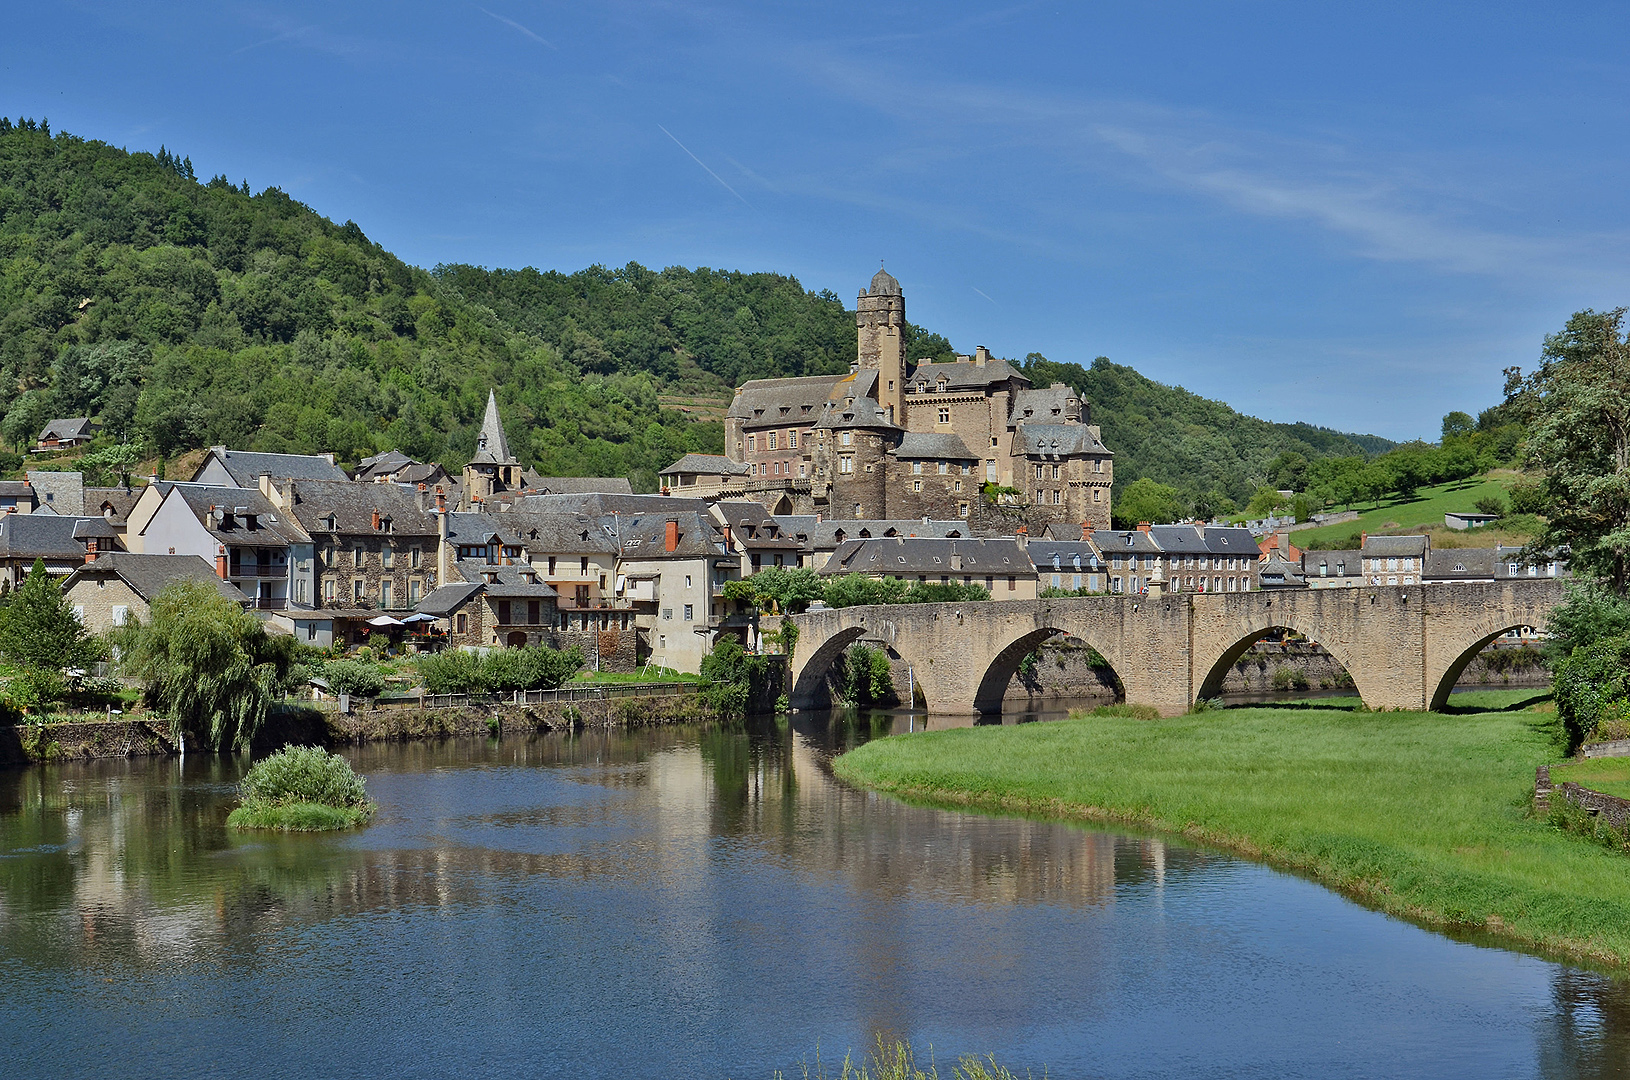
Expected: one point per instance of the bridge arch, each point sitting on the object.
(999, 672)
(1480, 637)
(810, 690)
(1210, 685)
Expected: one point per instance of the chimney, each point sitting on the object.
(1022, 536)
(670, 536)
(1363, 539)
(1086, 530)
(327, 457)
(265, 485)
(424, 497)
(91, 544)
(1143, 526)
(376, 521)
(443, 545)
(441, 500)
(220, 561)
(819, 517)
(726, 537)
(981, 355)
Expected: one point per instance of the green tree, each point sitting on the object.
(1577, 408)
(1145, 500)
(855, 590)
(1458, 425)
(731, 677)
(207, 663)
(1265, 501)
(781, 590)
(38, 628)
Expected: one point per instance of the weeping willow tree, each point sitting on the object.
(208, 664)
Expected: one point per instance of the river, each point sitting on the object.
(710, 903)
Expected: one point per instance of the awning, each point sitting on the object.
(417, 617)
(384, 620)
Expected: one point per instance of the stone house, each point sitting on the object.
(705, 476)
(495, 606)
(672, 570)
(252, 543)
(60, 542)
(1332, 569)
(1208, 558)
(1070, 565)
(1394, 560)
(1002, 566)
(58, 492)
(17, 497)
(1130, 558)
(751, 533)
(374, 545)
(109, 591)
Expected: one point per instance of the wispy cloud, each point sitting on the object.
(513, 25)
(705, 169)
(981, 292)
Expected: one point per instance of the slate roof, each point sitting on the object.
(491, 445)
(883, 284)
(39, 536)
(1344, 563)
(1043, 552)
(579, 485)
(245, 467)
(644, 536)
(1277, 573)
(120, 501)
(704, 464)
(1126, 542)
(1231, 540)
(148, 574)
(863, 412)
(505, 582)
(443, 600)
(76, 427)
(347, 507)
(933, 446)
(823, 535)
(1056, 440)
(1463, 564)
(927, 556)
(760, 401)
(273, 528)
(385, 464)
(421, 473)
(1384, 547)
(598, 504)
(1042, 405)
(99, 528)
(963, 375)
(564, 532)
(63, 492)
(1181, 539)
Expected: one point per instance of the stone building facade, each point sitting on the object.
(896, 439)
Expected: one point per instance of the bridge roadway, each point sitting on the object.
(1403, 645)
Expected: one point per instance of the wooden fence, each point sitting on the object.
(540, 697)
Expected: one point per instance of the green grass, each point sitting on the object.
(1422, 815)
(1393, 516)
(299, 816)
(1610, 776)
(642, 675)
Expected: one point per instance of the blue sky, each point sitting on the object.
(1354, 215)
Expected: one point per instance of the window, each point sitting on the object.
(917, 468)
(945, 416)
(962, 509)
(687, 581)
(956, 485)
(413, 558)
(801, 468)
(769, 441)
(583, 566)
(1097, 466)
(1040, 470)
(945, 467)
(752, 442)
(387, 556)
(356, 555)
(357, 588)
(385, 593)
(121, 614)
(463, 624)
(1012, 584)
(328, 590)
(1095, 494)
(667, 613)
(413, 593)
(503, 611)
(689, 612)
(846, 465)
(1055, 472)
(792, 439)
(1058, 497)
(847, 438)
(916, 485)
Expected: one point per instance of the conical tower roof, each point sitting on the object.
(883, 284)
(491, 447)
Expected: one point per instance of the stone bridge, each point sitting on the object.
(1404, 646)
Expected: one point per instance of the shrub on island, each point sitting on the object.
(302, 789)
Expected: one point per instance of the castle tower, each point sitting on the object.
(880, 321)
(493, 468)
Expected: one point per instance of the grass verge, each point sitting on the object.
(1421, 815)
(299, 816)
(1610, 776)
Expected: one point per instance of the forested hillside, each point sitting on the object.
(185, 314)
(1197, 445)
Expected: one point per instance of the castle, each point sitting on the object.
(899, 439)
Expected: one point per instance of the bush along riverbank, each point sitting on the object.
(1422, 815)
(302, 789)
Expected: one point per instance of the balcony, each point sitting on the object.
(269, 603)
(257, 570)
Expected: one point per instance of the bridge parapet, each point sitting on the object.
(1403, 645)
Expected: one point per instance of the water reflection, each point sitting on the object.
(708, 899)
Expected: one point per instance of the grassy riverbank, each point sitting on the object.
(1417, 814)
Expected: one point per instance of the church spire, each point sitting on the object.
(491, 447)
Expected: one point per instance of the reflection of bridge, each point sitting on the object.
(1404, 646)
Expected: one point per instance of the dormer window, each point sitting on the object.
(941, 386)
